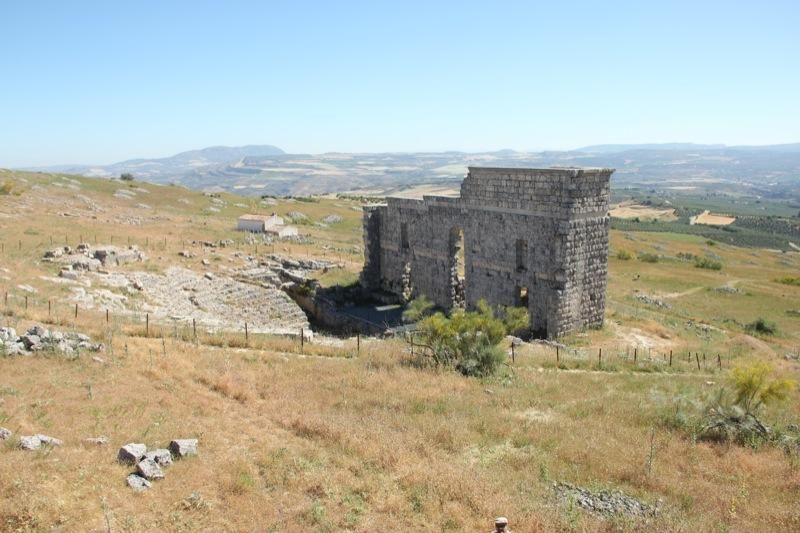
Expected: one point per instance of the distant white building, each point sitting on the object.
(270, 224)
(281, 232)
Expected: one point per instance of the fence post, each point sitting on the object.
(513, 354)
(76, 310)
(670, 358)
(147, 324)
(194, 328)
(358, 342)
(246, 335)
(697, 356)
(600, 357)
(106, 315)
(719, 361)
(26, 302)
(635, 354)
(49, 307)
(302, 340)
(558, 357)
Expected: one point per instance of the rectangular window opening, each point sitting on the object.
(521, 249)
(522, 296)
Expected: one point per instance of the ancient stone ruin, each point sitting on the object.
(515, 237)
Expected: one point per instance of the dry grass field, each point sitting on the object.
(643, 212)
(341, 439)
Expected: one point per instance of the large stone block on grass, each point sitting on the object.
(131, 453)
(181, 448)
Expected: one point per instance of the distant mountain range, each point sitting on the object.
(771, 171)
(166, 169)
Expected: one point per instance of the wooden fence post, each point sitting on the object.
(719, 361)
(107, 315)
(147, 324)
(635, 354)
(558, 358)
(302, 340)
(600, 357)
(49, 307)
(26, 302)
(670, 358)
(194, 328)
(246, 335)
(358, 342)
(76, 310)
(697, 356)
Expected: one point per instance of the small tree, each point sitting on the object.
(754, 388)
(738, 421)
(126, 176)
(466, 341)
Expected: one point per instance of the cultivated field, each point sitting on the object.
(713, 219)
(346, 434)
(643, 212)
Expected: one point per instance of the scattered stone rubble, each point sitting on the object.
(331, 219)
(35, 442)
(649, 300)
(296, 216)
(149, 464)
(224, 243)
(727, 289)
(31, 442)
(603, 502)
(85, 259)
(38, 339)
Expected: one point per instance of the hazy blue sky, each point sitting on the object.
(97, 82)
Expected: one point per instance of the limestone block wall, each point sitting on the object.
(536, 232)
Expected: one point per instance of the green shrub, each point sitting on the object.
(126, 176)
(647, 257)
(709, 264)
(418, 309)
(737, 421)
(515, 319)
(6, 188)
(761, 326)
(466, 341)
(755, 388)
(789, 280)
(624, 255)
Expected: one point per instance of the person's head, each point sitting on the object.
(500, 523)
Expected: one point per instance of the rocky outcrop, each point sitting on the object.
(35, 442)
(40, 339)
(604, 502)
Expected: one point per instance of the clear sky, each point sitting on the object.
(98, 82)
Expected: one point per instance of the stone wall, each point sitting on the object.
(535, 237)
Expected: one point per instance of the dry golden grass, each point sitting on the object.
(331, 440)
(365, 444)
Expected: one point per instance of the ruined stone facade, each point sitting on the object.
(531, 237)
